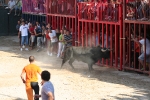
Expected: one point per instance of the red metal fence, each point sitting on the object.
(64, 7)
(103, 25)
(62, 13)
(108, 24)
(136, 28)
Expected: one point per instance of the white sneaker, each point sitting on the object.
(48, 53)
(21, 49)
(57, 55)
(26, 49)
(7, 8)
(51, 54)
(23, 46)
(38, 50)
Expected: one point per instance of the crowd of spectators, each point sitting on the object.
(138, 10)
(100, 10)
(41, 35)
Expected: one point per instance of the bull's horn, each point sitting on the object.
(103, 50)
(110, 49)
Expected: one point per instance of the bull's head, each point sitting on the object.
(105, 53)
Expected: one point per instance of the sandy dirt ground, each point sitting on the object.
(102, 84)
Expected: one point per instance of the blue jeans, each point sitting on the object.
(24, 40)
(142, 56)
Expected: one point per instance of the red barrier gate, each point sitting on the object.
(62, 13)
(135, 25)
(98, 27)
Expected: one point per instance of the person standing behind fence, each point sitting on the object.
(144, 53)
(31, 79)
(48, 41)
(38, 33)
(31, 31)
(68, 39)
(18, 7)
(17, 28)
(61, 44)
(43, 35)
(23, 30)
(54, 40)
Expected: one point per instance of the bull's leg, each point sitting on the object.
(71, 61)
(63, 61)
(90, 67)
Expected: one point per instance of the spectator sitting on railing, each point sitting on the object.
(144, 53)
(11, 5)
(18, 7)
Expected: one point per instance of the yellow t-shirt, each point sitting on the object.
(31, 71)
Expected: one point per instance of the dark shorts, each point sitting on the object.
(35, 87)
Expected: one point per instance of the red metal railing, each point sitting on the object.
(62, 13)
(95, 29)
(99, 11)
(64, 7)
(135, 24)
(34, 6)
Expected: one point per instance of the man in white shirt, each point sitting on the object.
(23, 30)
(54, 40)
(144, 53)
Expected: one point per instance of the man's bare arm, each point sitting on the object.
(22, 77)
(50, 96)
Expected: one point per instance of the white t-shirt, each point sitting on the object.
(147, 46)
(11, 4)
(53, 34)
(24, 30)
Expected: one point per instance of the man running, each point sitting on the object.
(31, 78)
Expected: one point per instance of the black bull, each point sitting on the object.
(89, 55)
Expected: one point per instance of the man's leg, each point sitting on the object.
(141, 59)
(48, 46)
(32, 41)
(15, 10)
(26, 42)
(59, 49)
(29, 91)
(38, 43)
(51, 50)
(22, 42)
(35, 87)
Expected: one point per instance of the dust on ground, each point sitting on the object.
(102, 84)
